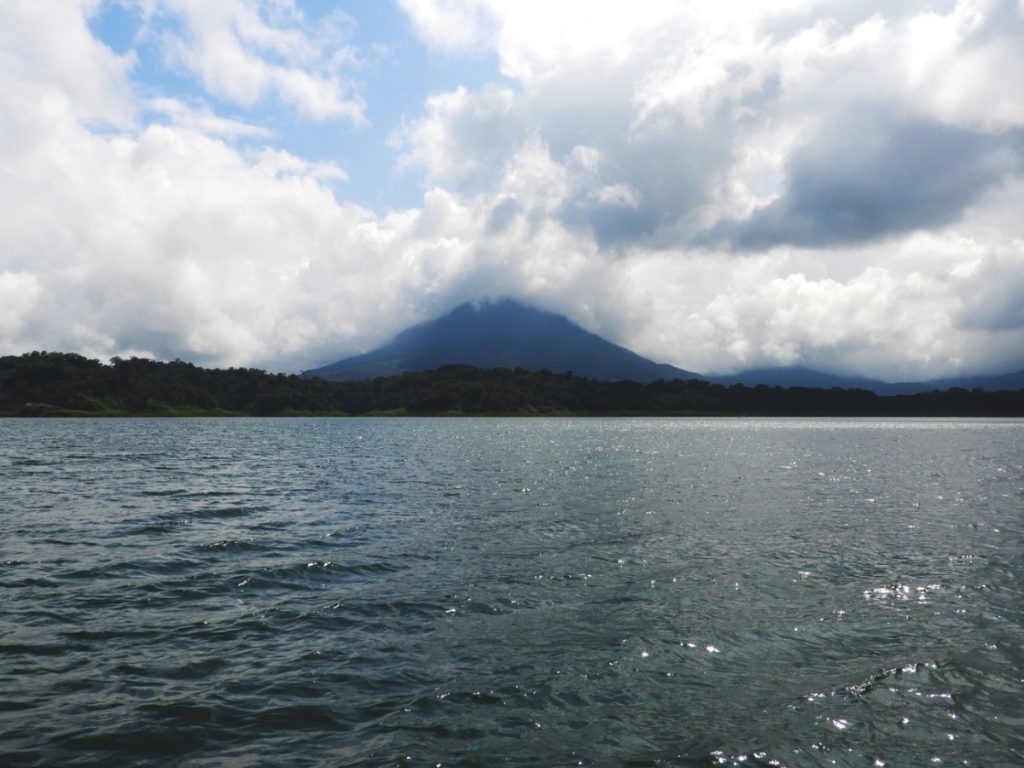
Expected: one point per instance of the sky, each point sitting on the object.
(720, 186)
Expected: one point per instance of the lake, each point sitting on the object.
(535, 592)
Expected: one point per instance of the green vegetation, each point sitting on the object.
(59, 384)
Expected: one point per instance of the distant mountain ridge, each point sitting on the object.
(798, 376)
(795, 376)
(503, 334)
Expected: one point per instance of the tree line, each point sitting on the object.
(65, 384)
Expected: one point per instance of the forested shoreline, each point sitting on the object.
(65, 384)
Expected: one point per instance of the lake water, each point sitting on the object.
(484, 592)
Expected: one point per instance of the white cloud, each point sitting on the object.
(245, 50)
(464, 138)
(18, 294)
(51, 49)
(617, 194)
(201, 118)
(454, 25)
(536, 39)
(277, 163)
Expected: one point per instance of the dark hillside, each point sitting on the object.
(57, 384)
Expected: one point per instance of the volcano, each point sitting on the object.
(503, 334)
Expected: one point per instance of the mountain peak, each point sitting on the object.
(502, 333)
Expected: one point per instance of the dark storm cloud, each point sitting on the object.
(650, 175)
(864, 181)
(644, 187)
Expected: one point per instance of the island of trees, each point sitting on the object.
(62, 384)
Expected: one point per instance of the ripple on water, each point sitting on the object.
(667, 592)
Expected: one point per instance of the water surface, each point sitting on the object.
(647, 592)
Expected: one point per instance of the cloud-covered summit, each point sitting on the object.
(836, 184)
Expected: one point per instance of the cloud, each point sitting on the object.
(716, 186)
(467, 140)
(464, 138)
(866, 179)
(456, 26)
(245, 51)
(18, 293)
(200, 118)
(55, 56)
(798, 123)
(993, 299)
(934, 304)
(277, 164)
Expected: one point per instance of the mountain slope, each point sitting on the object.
(501, 334)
